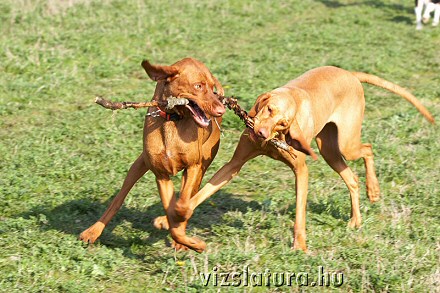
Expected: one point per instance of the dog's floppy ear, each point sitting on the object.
(298, 140)
(159, 72)
(259, 104)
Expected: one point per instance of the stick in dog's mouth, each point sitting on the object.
(271, 137)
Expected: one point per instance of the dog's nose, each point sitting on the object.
(219, 111)
(262, 132)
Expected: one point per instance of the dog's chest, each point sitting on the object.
(170, 149)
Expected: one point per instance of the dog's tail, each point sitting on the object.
(377, 81)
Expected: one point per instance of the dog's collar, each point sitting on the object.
(168, 116)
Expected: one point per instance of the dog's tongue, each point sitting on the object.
(198, 115)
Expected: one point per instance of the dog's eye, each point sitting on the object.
(269, 109)
(198, 86)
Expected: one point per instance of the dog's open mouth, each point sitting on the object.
(198, 114)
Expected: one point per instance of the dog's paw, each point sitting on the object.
(373, 193)
(354, 223)
(91, 234)
(374, 197)
(161, 223)
(299, 243)
(179, 247)
(197, 244)
(373, 189)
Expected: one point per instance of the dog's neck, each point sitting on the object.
(169, 116)
(159, 92)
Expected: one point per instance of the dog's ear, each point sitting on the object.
(298, 140)
(218, 86)
(159, 72)
(261, 101)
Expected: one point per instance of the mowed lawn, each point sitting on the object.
(62, 158)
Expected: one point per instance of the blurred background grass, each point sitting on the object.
(63, 158)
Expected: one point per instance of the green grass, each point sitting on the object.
(63, 158)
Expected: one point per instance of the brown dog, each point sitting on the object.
(325, 103)
(184, 139)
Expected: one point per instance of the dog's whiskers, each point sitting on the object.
(218, 125)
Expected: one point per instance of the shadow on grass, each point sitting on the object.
(74, 216)
(372, 3)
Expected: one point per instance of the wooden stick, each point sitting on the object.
(170, 103)
(124, 105)
(232, 104)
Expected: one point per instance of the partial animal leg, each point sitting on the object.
(436, 19)
(209, 150)
(301, 186)
(136, 171)
(245, 151)
(348, 135)
(162, 222)
(357, 150)
(166, 191)
(429, 8)
(373, 189)
(179, 214)
(327, 141)
(191, 180)
(418, 11)
(177, 224)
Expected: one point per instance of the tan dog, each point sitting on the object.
(184, 139)
(326, 103)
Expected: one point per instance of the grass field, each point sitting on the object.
(62, 158)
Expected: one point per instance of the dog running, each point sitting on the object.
(325, 103)
(184, 138)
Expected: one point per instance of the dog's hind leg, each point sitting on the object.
(373, 190)
(136, 171)
(327, 141)
(352, 149)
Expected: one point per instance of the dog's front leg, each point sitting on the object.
(137, 170)
(245, 151)
(436, 20)
(191, 179)
(418, 11)
(177, 226)
(301, 185)
(166, 191)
